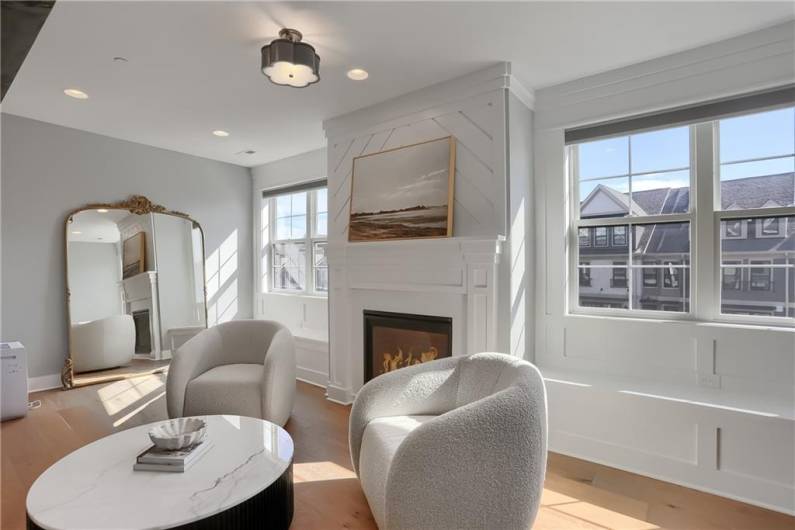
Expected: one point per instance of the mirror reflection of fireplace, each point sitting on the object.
(398, 340)
(143, 331)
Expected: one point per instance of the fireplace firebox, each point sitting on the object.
(397, 340)
(143, 331)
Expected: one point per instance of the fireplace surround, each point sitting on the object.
(397, 340)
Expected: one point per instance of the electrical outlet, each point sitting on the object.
(709, 380)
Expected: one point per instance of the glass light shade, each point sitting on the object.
(287, 61)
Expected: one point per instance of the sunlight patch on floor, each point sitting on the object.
(117, 396)
(126, 417)
(320, 471)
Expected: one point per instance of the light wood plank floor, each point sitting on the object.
(578, 494)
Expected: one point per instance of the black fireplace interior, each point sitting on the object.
(397, 340)
(143, 333)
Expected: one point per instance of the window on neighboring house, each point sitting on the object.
(639, 186)
(585, 237)
(619, 236)
(619, 278)
(585, 277)
(770, 226)
(600, 236)
(295, 226)
(672, 276)
(650, 275)
(761, 277)
(734, 229)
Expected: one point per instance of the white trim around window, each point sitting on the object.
(707, 231)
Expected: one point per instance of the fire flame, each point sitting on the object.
(397, 360)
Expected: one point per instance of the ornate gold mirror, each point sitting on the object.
(135, 289)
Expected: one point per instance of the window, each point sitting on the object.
(600, 236)
(731, 276)
(619, 236)
(635, 189)
(769, 227)
(761, 277)
(295, 227)
(585, 277)
(650, 276)
(585, 237)
(734, 229)
(619, 278)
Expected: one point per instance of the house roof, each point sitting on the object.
(745, 193)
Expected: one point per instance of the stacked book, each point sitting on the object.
(172, 461)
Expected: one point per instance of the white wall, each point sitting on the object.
(94, 276)
(48, 170)
(305, 316)
(634, 393)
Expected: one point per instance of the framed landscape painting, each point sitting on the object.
(403, 193)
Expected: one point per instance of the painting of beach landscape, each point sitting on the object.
(403, 193)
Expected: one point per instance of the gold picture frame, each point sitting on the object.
(134, 255)
(375, 215)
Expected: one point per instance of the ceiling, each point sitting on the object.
(193, 67)
(96, 227)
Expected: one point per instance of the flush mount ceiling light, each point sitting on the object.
(102, 210)
(288, 61)
(75, 93)
(222, 134)
(357, 74)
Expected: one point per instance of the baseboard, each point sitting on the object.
(340, 395)
(313, 377)
(44, 382)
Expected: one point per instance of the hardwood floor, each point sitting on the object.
(578, 495)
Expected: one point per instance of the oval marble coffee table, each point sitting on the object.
(244, 481)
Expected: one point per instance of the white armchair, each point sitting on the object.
(454, 443)
(101, 344)
(243, 367)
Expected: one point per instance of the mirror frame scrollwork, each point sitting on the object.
(137, 205)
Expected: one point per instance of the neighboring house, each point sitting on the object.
(661, 255)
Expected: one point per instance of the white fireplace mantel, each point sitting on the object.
(451, 277)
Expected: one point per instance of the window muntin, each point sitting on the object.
(297, 238)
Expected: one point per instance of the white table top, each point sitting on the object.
(95, 487)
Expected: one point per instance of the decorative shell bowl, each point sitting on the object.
(179, 433)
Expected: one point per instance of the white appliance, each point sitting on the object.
(13, 381)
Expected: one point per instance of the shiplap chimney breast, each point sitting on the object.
(466, 277)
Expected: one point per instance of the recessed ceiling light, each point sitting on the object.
(102, 210)
(222, 134)
(75, 93)
(76, 232)
(357, 74)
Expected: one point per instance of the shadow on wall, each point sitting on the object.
(222, 270)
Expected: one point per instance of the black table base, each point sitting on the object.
(272, 508)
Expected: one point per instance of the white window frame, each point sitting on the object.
(575, 222)
(705, 216)
(309, 240)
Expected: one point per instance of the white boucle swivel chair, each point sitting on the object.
(458, 443)
(242, 367)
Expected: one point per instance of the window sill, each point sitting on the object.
(688, 319)
(689, 395)
(298, 294)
